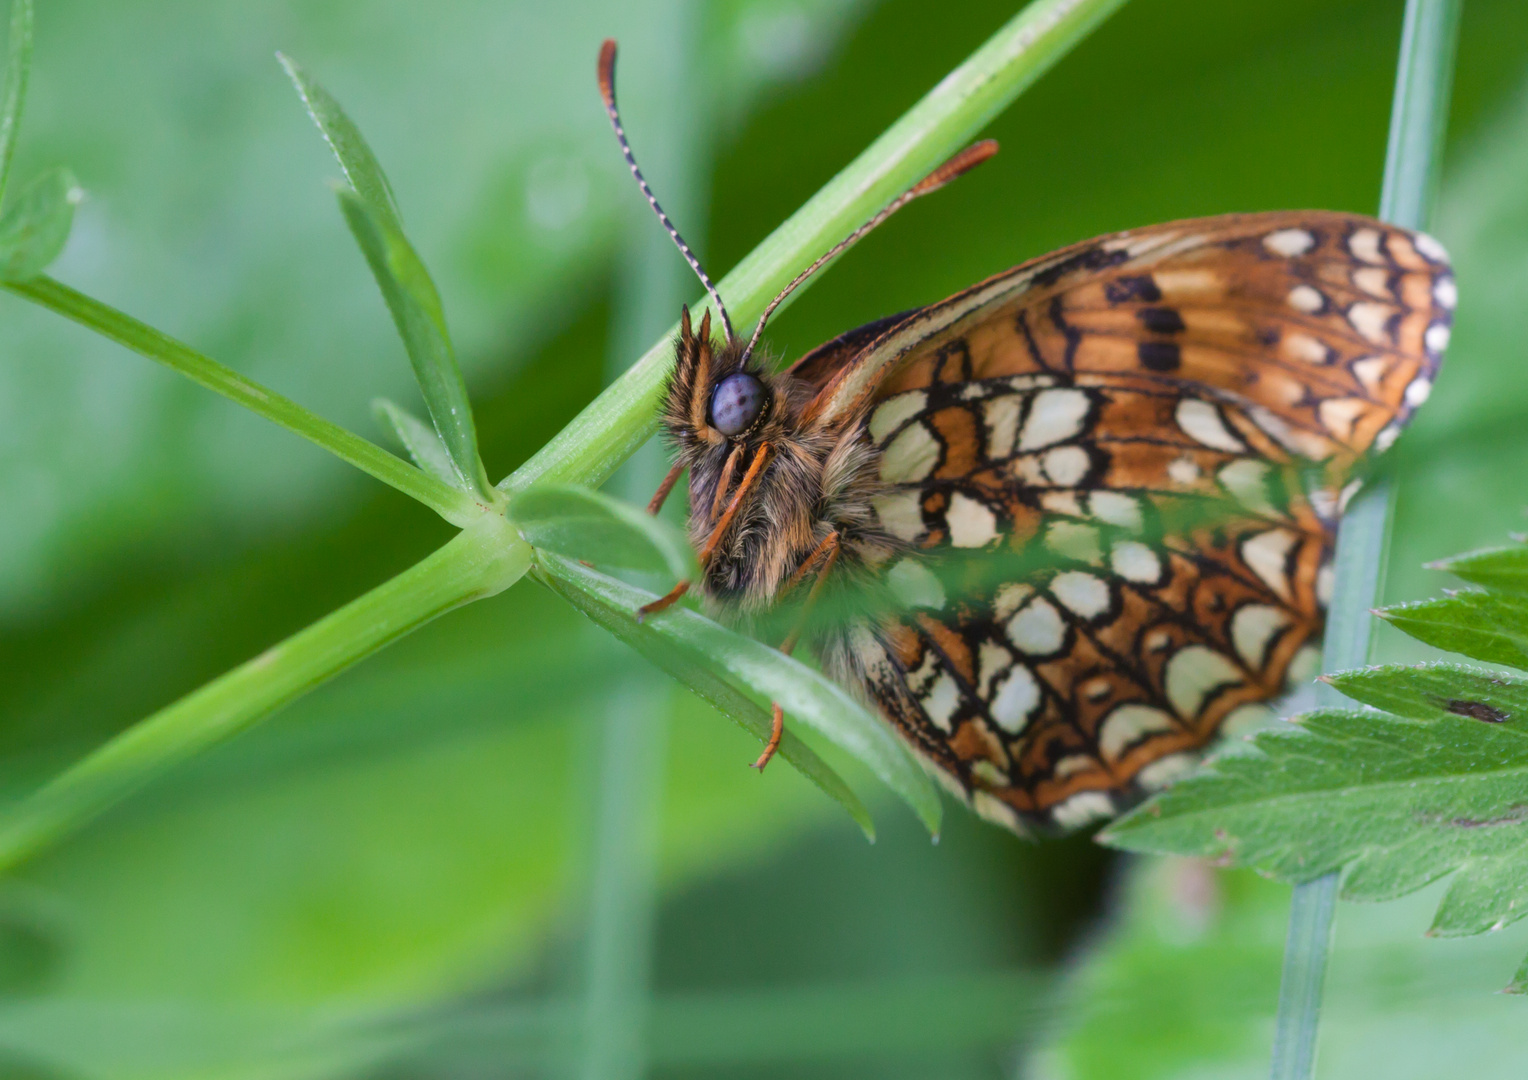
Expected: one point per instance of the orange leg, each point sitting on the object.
(827, 551)
(661, 495)
(749, 478)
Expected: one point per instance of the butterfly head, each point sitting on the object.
(719, 397)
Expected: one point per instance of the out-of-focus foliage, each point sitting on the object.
(411, 837)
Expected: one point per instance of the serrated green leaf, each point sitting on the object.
(416, 310)
(1397, 803)
(35, 227)
(18, 66)
(1436, 691)
(1487, 626)
(806, 695)
(418, 438)
(1503, 568)
(610, 604)
(581, 524)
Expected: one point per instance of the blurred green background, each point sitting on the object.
(393, 878)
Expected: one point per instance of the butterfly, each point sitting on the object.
(1162, 422)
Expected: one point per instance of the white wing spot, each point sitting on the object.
(941, 701)
(1364, 244)
(1082, 808)
(1305, 348)
(991, 660)
(1202, 422)
(1183, 470)
(1267, 554)
(1010, 598)
(894, 411)
(915, 585)
(1339, 415)
(1429, 248)
(901, 514)
(1016, 700)
(1116, 508)
(1124, 727)
(1164, 772)
(1084, 594)
(972, 523)
(1436, 338)
(1054, 415)
(1246, 480)
(1067, 465)
(1001, 415)
(1445, 292)
(1195, 673)
(1037, 629)
(1418, 390)
(1074, 540)
(1252, 628)
(1374, 280)
(1289, 242)
(1134, 561)
(1306, 298)
(1245, 719)
(1371, 372)
(1326, 584)
(1369, 319)
(911, 456)
(1387, 436)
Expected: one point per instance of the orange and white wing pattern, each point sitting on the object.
(1161, 421)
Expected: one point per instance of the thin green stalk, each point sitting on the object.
(485, 558)
(18, 66)
(950, 115)
(455, 506)
(1418, 118)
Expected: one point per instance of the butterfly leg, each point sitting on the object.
(717, 531)
(827, 553)
(661, 495)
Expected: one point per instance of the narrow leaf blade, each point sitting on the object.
(585, 525)
(610, 604)
(1436, 691)
(18, 66)
(419, 439)
(35, 227)
(416, 311)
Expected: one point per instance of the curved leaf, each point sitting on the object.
(35, 227)
(586, 525)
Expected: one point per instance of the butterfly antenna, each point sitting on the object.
(954, 167)
(607, 91)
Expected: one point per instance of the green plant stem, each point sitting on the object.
(483, 559)
(1418, 118)
(450, 503)
(625, 416)
(18, 67)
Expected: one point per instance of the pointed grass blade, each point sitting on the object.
(418, 438)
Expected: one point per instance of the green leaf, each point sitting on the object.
(418, 438)
(1487, 626)
(411, 296)
(18, 66)
(1436, 691)
(1504, 568)
(611, 604)
(806, 695)
(361, 167)
(585, 525)
(1396, 803)
(35, 227)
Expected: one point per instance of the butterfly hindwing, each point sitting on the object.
(1155, 427)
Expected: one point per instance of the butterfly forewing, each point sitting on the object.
(1161, 422)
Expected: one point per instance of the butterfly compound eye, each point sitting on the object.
(736, 403)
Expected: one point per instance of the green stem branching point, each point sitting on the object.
(449, 502)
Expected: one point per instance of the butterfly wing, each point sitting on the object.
(1159, 424)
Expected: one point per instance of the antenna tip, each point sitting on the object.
(607, 72)
(961, 163)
